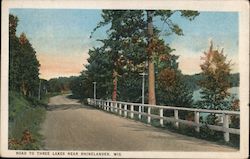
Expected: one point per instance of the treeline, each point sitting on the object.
(26, 112)
(60, 84)
(81, 89)
(192, 81)
(133, 46)
(23, 64)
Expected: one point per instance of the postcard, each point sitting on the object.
(125, 79)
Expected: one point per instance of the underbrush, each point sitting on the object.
(25, 116)
(45, 98)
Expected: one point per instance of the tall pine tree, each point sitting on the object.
(126, 22)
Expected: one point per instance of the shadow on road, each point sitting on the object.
(68, 107)
(70, 96)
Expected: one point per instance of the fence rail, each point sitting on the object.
(128, 110)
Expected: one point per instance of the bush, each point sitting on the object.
(24, 122)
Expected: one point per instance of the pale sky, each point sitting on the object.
(61, 38)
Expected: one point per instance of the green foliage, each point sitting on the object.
(192, 81)
(234, 79)
(77, 88)
(122, 53)
(13, 21)
(25, 112)
(23, 65)
(130, 86)
(177, 95)
(60, 84)
(24, 122)
(215, 85)
(171, 88)
(165, 16)
(16, 104)
(82, 87)
(235, 120)
(100, 70)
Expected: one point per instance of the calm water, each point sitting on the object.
(234, 91)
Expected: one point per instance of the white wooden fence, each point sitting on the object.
(128, 110)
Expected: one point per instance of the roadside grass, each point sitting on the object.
(25, 116)
(45, 99)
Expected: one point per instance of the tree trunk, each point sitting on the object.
(151, 70)
(23, 89)
(114, 94)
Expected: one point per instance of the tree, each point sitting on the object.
(171, 87)
(130, 25)
(60, 84)
(23, 65)
(99, 70)
(151, 69)
(216, 82)
(29, 67)
(125, 46)
(14, 51)
(165, 16)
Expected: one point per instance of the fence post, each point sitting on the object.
(176, 117)
(125, 110)
(120, 109)
(111, 106)
(197, 121)
(140, 112)
(226, 125)
(108, 108)
(161, 117)
(131, 113)
(104, 107)
(116, 110)
(149, 113)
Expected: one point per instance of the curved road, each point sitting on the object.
(72, 126)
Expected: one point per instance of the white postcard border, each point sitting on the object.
(240, 6)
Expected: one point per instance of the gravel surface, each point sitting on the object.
(72, 126)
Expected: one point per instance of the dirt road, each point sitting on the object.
(72, 126)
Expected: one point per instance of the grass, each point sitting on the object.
(45, 99)
(25, 117)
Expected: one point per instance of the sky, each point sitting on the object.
(61, 38)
